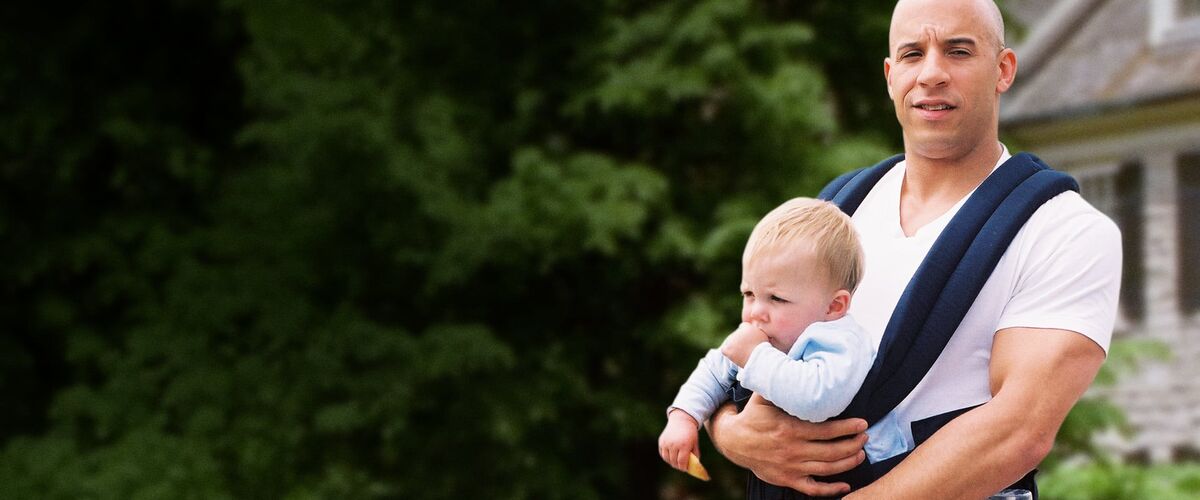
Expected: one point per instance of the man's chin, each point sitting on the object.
(936, 145)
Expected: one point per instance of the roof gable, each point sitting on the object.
(1087, 56)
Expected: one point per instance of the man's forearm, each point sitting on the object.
(973, 456)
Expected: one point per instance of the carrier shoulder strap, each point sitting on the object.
(848, 190)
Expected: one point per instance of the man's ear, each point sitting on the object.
(838, 306)
(1008, 70)
(887, 75)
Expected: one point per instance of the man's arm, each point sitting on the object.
(1036, 376)
(786, 451)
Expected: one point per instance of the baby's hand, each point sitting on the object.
(678, 439)
(739, 344)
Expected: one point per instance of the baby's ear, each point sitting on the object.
(838, 306)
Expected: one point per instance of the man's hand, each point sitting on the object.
(739, 344)
(786, 451)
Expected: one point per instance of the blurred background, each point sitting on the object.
(427, 250)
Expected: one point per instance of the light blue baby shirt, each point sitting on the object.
(814, 381)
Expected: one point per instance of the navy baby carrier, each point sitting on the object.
(935, 300)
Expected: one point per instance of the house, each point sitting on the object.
(1109, 90)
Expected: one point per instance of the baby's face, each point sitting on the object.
(783, 293)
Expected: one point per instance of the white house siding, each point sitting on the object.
(1101, 86)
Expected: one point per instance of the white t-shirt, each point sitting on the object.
(1062, 270)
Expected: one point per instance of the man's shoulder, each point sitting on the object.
(1070, 210)
(1067, 226)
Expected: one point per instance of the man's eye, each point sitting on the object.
(910, 54)
(960, 52)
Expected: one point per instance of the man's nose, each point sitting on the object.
(933, 71)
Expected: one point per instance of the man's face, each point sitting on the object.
(945, 72)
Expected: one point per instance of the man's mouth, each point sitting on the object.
(935, 107)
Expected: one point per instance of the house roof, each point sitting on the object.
(1087, 57)
(1023, 14)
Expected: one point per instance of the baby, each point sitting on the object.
(796, 346)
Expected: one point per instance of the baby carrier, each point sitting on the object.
(936, 298)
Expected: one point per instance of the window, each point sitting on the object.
(1174, 21)
(1117, 191)
(1128, 215)
(1188, 174)
(1189, 8)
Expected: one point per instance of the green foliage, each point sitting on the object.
(1094, 412)
(375, 250)
(1105, 481)
(1079, 470)
(140, 465)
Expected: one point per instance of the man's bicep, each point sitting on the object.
(1044, 371)
(1070, 280)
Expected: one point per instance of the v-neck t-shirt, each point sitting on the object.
(1061, 271)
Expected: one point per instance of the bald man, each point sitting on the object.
(1036, 334)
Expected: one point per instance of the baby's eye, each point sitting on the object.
(776, 298)
(748, 294)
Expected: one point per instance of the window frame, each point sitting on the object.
(1170, 25)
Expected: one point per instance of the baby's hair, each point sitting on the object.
(816, 226)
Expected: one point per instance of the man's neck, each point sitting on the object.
(934, 185)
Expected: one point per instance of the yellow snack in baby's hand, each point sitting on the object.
(695, 469)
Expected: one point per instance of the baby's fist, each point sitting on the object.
(679, 439)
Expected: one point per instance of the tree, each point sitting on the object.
(390, 250)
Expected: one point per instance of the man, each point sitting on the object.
(1034, 338)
